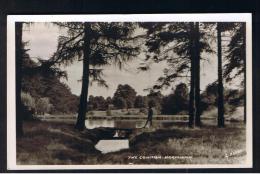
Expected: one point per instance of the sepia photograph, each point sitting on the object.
(129, 91)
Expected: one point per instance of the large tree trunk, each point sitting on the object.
(197, 74)
(220, 80)
(80, 124)
(244, 58)
(18, 52)
(191, 95)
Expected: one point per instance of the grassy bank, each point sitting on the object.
(59, 143)
(208, 145)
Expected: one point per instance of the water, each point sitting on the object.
(113, 145)
(129, 124)
(106, 146)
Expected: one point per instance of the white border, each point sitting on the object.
(210, 17)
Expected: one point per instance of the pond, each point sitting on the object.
(106, 146)
(114, 144)
(130, 124)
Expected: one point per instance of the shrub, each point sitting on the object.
(28, 100)
(43, 105)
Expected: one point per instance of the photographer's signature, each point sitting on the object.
(235, 153)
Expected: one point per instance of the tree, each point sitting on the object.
(120, 102)
(177, 101)
(181, 95)
(27, 69)
(80, 124)
(180, 45)
(236, 56)
(155, 99)
(109, 102)
(99, 44)
(140, 102)
(97, 103)
(220, 79)
(43, 105)
(20, 108)
(196, 56)
(28, 100)
(127, 93)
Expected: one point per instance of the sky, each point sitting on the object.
(42, 41)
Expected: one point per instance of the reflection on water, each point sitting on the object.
(126, 124)
(106, 146)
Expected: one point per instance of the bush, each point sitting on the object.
(28, 100)
(43, 105)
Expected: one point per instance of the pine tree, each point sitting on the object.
(98, 44)
(220, 78)
(180, 45)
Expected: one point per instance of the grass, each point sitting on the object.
(207, 145)
(58, 143)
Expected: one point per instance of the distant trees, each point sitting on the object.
(28, 100)
(97, 103)
(124, 93)
(232, 97)
(155, 100)
(177, 101)
(43, 105)
(141, 102)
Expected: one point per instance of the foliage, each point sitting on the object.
(124, 94)
(28, 100)
(120, 102)
(171, 42)
(97, 103)
(141, 102)
(236, 52)
(43, 105)
(176, 102)
(110, 43)
(232, 97)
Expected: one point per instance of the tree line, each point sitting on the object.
(180, 44)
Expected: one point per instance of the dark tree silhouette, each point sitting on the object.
(196, 56)
(236, 56)
(25, 68)
(20, 108)
(221, 119)
(80, 124)
(180, 45)
(99, 44)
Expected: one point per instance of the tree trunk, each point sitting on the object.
(220, 80)
(191, 95)
(18, 52)
(244, 58)
(197, 74)
(80, 124)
